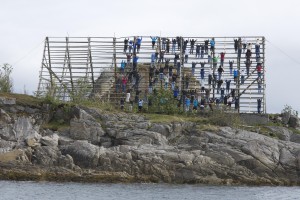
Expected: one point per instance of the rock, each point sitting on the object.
(50, 140)
(46, 155)
(5, 117)
(62, 140)
(66, 161)
(17, 154)
(23, 127)
(31, 142)
(285, 117)
(81, 129)
(83, 153)
(6, 146)
(294, 121)
(7, 101)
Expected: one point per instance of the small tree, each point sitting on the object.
(6, 84)
(288, 109)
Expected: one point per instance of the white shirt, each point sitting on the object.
(127, 97)
(242, 73)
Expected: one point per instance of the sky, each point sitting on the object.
(25, 24)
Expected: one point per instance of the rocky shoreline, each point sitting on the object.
(97, 146)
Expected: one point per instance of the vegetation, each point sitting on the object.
(6, 84)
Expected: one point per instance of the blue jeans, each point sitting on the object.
(239, 53)
(242, 79)
(124, 87)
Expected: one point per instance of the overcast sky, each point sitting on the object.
(25, 24)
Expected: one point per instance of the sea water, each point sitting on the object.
(48, 190)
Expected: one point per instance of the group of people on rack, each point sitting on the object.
(189, 88)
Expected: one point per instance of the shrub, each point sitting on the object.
(6, 84)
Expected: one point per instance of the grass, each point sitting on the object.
(162, 118)
(24, 99)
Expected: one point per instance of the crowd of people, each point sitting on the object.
(190, 89)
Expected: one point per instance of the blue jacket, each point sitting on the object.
(187, 102)
(152, 57)
(195, 102)
(139, 40)
(135, 59)
(235, 73)
(176, 93)
(153, 39)
(212, 43)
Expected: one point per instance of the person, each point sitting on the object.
(138, 43)
(175, 92)
(259, 82)
(163, 42)
(248, 65)
(126, 40)
(235, 75)
(124, 82)
(192, 41)
(153, 40)
(219, 85)
(141, 105)
(185, 43)
(122, 103)
(187, 81)
(248, 54)
(127, 96)
(195, 104)
(222, 55)
(186, 56)
(258, 106)
(259, 69)
(202, 73)
(161, 56)
(206, 46)
(210, 77)
(257, 48)
(198, 47)
(227, 85)
(130, 45)
(233, 93)
(220, 71)
(208, 56)
(202, 104)
(222, 94)
(249, 46)
(166, 79)
(187, 104)
(215, 62)
(236, 103)
(122, 68)
(176, 57)
(244, 42)
(129, 56)
(240, 47)
(242, 77)
(174, 45)
(150, 87)
(161, 73)
(168, 46)
(134, 61)
(202, 51)
(210, 104)
(212, 44)
(236, 44)
(193, 67)
(231, 66)
(229, 101)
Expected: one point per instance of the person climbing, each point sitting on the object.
(231, 62)
(198, 48)
(186, 56)
(227, 85)
(153, 40)
(259, 82)
(163, 42)
(202, 51)
(202, 72)
(242, 77)
(126, 40)
(195, 104)
(244, 42)
(192, 41)
(235, 75)
(124, 82)
(174, 78)
(128, 96)
(130, 46)
(122, 68)
(206, 46)
(208, 56)
(185, 43)
(259, 69)
(187, 104)
(219, 85)
(212, 44)
(161, 56)
(141, 105)
(122, 103)
(240, 47)
(215, 62)
(248, 54)
(248, 63)
(129, 56)
(210, 76)
(258, 106)
(138, 43)
(176, 57)
(174, 45)
(257, 48)
(134, 62)
(168, 46)
(222, 94)
(236, 44)
(222, 55)
(236, 103)
(187, 80)
(175, 92)
(118, 83)
(229, 101)
(220, 71)
(166, 79)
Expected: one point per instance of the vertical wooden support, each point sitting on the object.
(42, 68)
(91, 62)
(49, 61)
(69, 66)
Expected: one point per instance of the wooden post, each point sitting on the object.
(69, 66)
(263, 79)
(91, 62)
(49, 61)
(42, 67)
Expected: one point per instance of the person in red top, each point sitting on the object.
(258, 68)
(124, 82)
(222, 54)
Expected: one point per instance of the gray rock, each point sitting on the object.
(7, 101)
(50, 140)
(294, 121)
(46, 155)
(285, 117)
(83, 153)
(66, 161)
(62, 140)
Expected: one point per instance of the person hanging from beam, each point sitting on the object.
(134, 61)
(227, 85)
(174, 45)
(248, 63)
(236, 44)
(259, 82)
(153, 40)
(198, 47)
(220, 71)
(138, 43)
(259, 69)
(130, 46)
(222, 55)
(202, 51)
(192, 42)
(231, 62)
(206, 46)
(242, 77)
(257, 49)
(168, 45)
(126, 44)
(258, 106)
(163, 42)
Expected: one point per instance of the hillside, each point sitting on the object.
(60, 142)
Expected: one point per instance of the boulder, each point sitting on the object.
(66, 161)
(46, 155)
(50, 140)
(294, 121)
(83, 153)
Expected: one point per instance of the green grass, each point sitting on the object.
(24, 99)
(156, 118)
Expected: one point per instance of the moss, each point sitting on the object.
(23, 99)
